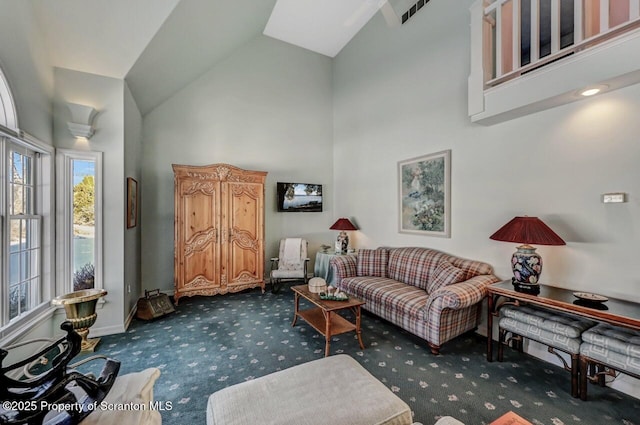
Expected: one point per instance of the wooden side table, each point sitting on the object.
(322, 267)
(616, 312)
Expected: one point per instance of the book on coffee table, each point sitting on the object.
(511, 418)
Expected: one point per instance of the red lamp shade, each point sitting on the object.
(527, 230)
(526, 264)
(343, 224)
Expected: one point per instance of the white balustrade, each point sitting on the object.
(593, 22)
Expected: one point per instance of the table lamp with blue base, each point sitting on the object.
(342, 242)
(526, 263)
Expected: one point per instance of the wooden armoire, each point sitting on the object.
(219, 229)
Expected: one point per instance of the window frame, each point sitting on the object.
(44, 208)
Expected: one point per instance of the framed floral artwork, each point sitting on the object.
(424, 192)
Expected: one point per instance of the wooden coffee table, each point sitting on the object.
(324, 317)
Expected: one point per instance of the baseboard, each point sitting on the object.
(626, 384)
(106, 330)
(130, 317)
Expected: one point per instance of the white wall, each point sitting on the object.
(106, 95)
(267, 107)
(26, 65)
(132, 168)
(402, 92)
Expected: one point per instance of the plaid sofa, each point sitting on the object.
(429, 293)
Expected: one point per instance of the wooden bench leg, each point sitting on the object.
(601, 371)
(575, 373)
(502, 333)
(584, 376)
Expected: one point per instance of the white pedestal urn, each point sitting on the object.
(80, 307)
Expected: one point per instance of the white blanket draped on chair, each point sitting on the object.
(291, 255)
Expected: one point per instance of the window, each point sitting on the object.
(25, 214)
(24, 234)
(26, 222)
(84, 223)
(80, 226)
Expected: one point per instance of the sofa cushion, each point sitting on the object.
(372, 262)
(387, 297)
(445, 274)
(413, 265)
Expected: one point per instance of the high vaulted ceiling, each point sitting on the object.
(99, 37)
(159, 46)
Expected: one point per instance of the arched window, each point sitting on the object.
(8, 116)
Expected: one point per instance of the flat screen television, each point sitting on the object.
(299, 197)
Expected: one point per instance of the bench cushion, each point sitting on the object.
(334, 390)
(550, 328)
(614, 346)
(614, 338)
(561, 342)
(554, 322)
(610, 358)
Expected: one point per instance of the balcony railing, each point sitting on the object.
(522, 35)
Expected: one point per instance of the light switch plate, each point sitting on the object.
(611, 198)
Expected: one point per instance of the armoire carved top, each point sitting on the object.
(219, 172)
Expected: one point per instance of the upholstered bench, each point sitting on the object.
(333, 390)
(555, 330)
(608, 346)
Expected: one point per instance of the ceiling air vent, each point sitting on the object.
(413, 9)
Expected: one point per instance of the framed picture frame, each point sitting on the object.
(424, 195)
(132, 203)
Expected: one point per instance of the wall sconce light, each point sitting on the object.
(80, 125)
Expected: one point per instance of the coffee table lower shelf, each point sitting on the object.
(315, 318)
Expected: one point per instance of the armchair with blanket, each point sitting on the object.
(290, 264)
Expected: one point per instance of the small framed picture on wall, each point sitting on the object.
(132, 202)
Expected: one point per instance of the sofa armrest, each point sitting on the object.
(461, 295)
(343, 266)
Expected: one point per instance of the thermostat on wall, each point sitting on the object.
(611, 198)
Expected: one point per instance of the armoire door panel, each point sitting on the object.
(199, 236)
(201, 263)
(245, 256)
(243, 261)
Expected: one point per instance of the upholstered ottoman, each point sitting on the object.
(614, 347)
(133, 388)
(555, 330)
(333, 390)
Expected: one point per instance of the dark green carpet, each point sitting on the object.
(213, 342)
